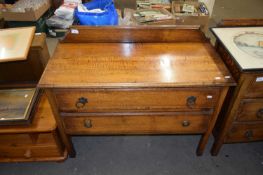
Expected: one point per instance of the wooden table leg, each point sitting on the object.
(205, 136)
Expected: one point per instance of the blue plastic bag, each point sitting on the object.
(109, 17)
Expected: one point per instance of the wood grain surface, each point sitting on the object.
(135, 100)
(139, 124)
(139, 65)
(137, 34)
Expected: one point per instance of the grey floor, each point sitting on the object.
(156, 155)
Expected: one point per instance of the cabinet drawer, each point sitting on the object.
(27, 139)
(129, 100)
(250, 110)
(136, 124)
(255, 89)
(29, 152)
(245, 133)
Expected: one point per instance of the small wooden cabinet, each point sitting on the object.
(39, 141)
(135, 80)
(241, 119)
(26, 73)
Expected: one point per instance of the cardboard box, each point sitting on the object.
(170, 21)
(28, 15)
(190, 19)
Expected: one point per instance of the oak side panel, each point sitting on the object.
(65, 138)
(231, 111)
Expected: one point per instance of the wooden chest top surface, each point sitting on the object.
(140, 64)
(111, 57)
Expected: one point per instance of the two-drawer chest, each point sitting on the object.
(241, 48)
(135, 80)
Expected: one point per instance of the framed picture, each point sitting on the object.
(16, 105)
(245, 44)
(15, 43)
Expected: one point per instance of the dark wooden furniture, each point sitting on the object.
(241, 119)
(38, 142)
(26, 73)
(135, 80)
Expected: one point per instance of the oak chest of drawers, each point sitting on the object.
(241, 119)
(39, 141)
(135, 80)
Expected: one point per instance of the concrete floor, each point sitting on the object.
(155, 155)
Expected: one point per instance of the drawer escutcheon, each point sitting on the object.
(249, 134)
(87, 123)
(191, 101)
(260, 113)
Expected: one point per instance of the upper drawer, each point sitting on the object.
(250, 110)
(256, 87)
(134, 100)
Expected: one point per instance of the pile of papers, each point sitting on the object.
(189, 8)
(151, 15)
(149, 4)
(64, 15)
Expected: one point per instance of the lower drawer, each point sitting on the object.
(245, 133)
(30, 152)
(136, 124)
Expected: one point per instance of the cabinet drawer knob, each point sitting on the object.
(87, 123)
(28, 154)
(260, 113)
(81, 102)
(186, 123)
(191, 101)
(249, 134)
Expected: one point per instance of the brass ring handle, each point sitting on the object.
(87, 123)
(81, 102)
(191, 101)
(249, 134)
(260, 113)
(186, 123)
